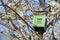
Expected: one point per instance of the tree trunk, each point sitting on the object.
(42, 3)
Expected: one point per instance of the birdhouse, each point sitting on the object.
(39, 19)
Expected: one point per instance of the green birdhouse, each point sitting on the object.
(39, 19)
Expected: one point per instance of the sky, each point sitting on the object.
(47, 1)
(2, 10)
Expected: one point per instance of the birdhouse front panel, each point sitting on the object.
(39, 20)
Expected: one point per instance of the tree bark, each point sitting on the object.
(42, 3)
